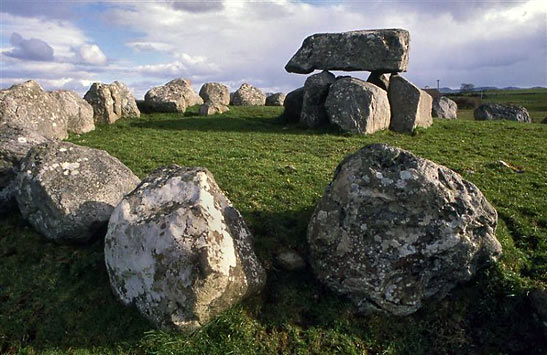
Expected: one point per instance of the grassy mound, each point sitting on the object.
(57, 299)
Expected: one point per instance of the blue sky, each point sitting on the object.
(70, 44)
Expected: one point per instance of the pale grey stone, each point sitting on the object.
(393, 230)
(443, 107)
(111, 102)
(78, 112)
(277, 99)
(175, 96)
(293, 105)
(248, 95)
(316, 89)
(357, 106)
(383, 50)
(410, 106)
(179, 251)
(215, 92)
(290, 260)
(67, 192)
(212, 108)
(502, 112)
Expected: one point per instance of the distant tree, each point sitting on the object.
(466, 88)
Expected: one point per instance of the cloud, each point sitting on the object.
(193, 6)
(91, 54)
(29, 49)
(43, 9)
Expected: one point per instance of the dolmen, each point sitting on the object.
(175, 96)
(492, 111)
(111, 102)
(384, 100)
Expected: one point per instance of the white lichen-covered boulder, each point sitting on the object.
(111, 102)
(68, 192)
(175, 96)
(212, 108)
(15, 142)
(443, 107)
(216, 93)
(393, 230)
(78, 112)
(179, 251)
(248, 95)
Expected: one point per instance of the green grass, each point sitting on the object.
(57, 299)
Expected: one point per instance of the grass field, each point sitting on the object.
(57, 299)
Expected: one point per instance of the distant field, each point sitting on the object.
(57, 299)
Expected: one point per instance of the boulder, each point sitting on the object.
(410, 106)
(215, 92)
(111, 102)
(212, 108)
(293, 105)
(379, 79)
(248, 95)
(175, 96)
(68, 192)
(393, 230)
(79, 113)
(28, 105)
(357, 106)
(179, 251)
(443, 107)
(383, 50)
(502, 112)
(276, 99)
(316, 89)
(15, 142)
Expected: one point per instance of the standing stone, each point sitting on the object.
(316, 89)
(357, 106)
(68, 192)
(28, 105)
(379, 79)
(79, 113)
(371, 50)
(410, 106)
(215, 92)
(111, 102)
(276, 99)
(248, 95)
(502, 112)
(293, 105)
(15, 142)
(175, 96)
(212, 108)
(179, 251)
(443, 107)
(393, 230)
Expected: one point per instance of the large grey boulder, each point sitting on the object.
(393, 230)
(68, 192)
(28, 105)
(410, 106)
(383, 50)
(379, 79)
(443, 107)
(293, 105)
(215, 92)
(78, 112)
(15, 142)
(357, 106)
(212, 108)
(175, 96)
(502, 112)
(316, 89)
(277, 99)
(179, 251)
(248, 95)
(111, 102)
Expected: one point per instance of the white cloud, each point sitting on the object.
(91, 54)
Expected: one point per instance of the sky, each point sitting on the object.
(69, 44)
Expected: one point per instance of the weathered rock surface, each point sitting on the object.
(383, 50)
(215, 92)
(248, 95)
(293, 105)
(68, 192)
(179, 251)
(393, 230)
(357, 106)
(379, 79)
(111, 102)
(316, 89)
(443, 107)
(15, 142)
(28, 105)
(175, 96)
(410, 106)
(502, 112)
(212, 108)
(277, 99)
(78, 112)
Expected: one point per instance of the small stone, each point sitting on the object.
(290, 260)
(212, 108)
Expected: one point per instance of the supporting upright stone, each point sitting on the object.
(379, 79)
(316, 90)
(410, 106)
